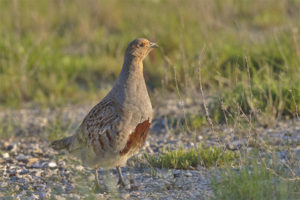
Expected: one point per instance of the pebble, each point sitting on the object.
(176, 173)
(189, 174)
(23, 157)
(5, 155)
(52, 164)
(235, 145)
(38, 165)
(125, 196)
(199, 138)
(59, 197)
(79, 168)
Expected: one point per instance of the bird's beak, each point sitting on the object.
(153, 45)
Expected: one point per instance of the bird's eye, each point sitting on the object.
(142, 45)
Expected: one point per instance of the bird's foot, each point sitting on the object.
(121, 182)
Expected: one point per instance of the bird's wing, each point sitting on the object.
(106, 127)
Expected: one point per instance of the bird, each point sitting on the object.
(116, 128)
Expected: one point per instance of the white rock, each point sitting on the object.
(188, 174)
(79, 168)
(52, 164)
(199, 137)
(5, 155)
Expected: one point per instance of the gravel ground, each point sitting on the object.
(29, 169)
(32, 170)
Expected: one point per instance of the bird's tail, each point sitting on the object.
(64, 143)
(72, 143)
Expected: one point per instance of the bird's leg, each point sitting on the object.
(121, 180)
(97, 179)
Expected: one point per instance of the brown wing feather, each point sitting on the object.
(99, 125)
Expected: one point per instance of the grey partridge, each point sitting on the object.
(116, 128)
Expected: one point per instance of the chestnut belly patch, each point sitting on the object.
(137, 138)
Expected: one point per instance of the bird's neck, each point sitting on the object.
(131, 76)
(131, 83)
(132, 66)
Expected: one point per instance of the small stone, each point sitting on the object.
(131, 181)
(79, 168)
(125, 196)
(58, 197)
(188, 174)
(100, 196)
(4, 184)
(230, 147)
(134, 187)
(24, 171)
(23, 158)
(199, 138)
(10, 147)
(17, 187)
(5, 155)
(34, 196)
(30, 161)
(74, 196)
(176, 173)
(235, 145)
(39, 165)
(91, 178)
(12, 173)
(38, 173)
(52, 164)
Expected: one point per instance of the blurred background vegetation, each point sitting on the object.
(59, 52)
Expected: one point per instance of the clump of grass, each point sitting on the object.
(253, 181)
(196, 121)
(266, 91)
(191, 158)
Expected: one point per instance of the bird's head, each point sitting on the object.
(140, 48)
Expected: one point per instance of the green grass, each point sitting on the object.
(191, 158)
(58, 53)
(265, 92)
(254, 181)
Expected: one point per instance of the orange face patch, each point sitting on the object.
(137, 138)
